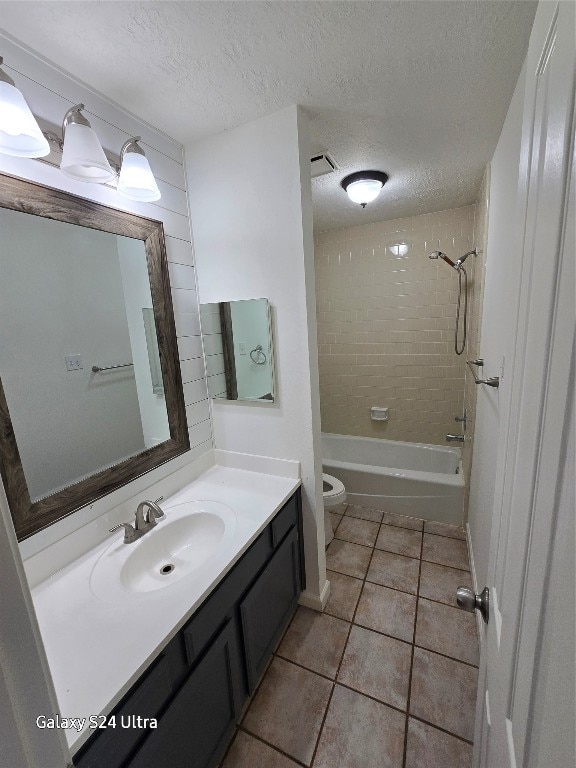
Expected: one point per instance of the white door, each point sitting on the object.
(533, 445)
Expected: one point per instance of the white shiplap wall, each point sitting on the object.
(50, 92)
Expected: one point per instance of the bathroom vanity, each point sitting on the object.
(165, 671)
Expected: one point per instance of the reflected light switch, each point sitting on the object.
(74, 363)
(242, 347)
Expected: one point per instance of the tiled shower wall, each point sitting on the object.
(386, 326)
(476, 298)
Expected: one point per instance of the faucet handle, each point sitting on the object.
(129, 531)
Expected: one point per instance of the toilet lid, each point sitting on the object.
(331, 486)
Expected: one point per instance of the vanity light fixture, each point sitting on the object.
(83, 158)
(20, 134)
(136, 181)
(364, 186)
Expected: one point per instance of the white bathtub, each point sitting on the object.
(405, 478)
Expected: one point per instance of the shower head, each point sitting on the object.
(457, 265)
(462, 259)
(441, 255)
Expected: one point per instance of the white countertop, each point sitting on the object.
(98, 649)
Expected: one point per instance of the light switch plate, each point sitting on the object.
(74, 363)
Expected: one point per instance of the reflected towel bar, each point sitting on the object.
(99, 369)
(493, 381)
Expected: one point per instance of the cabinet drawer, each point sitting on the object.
(111, 746)
(195, 729)
(220, 606)
(269, 605)
(284, 520)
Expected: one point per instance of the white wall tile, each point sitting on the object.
(192, 370)
(189, 347)
(385, 326)
(182, 276)
(197, 412)
(194, 391)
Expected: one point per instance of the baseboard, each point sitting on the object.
(479, 619)
(317, 603)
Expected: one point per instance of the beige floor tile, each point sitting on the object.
(335, 518)
(402, 521)
(344, 595)
(430, 748)
(360, 733)
(402, 541)
(438, 582)
(339, 509)
(377, 665)
(248, 752)
(444, 692)
(447, 630)
(364, 513)
(288, 709)
(394, 571)
(387, 610)
(441, 529)
(358, 531)
(451, 552)
(350, 559)
(315, 640)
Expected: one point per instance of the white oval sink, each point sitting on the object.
(191, 536)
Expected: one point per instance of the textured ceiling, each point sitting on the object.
(417, 89)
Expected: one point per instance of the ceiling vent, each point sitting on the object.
(322, 164)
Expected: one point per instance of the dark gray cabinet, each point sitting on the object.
(199, 684)
(269, 605)
(196, 728)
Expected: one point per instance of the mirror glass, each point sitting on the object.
(79, 357)
(239, 350)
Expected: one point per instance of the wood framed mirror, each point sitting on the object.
(90, 386)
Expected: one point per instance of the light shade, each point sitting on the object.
(364, 191)
(137, 181)
(83, 158)
(364, 186)
(20, 134)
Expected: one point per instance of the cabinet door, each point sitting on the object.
(269, 605)
(197, 726)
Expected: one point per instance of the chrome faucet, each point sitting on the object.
(146, 515)
(455, 438)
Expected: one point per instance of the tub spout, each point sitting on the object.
(455, 438)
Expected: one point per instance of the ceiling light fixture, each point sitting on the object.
(364, 186)
(20, 134)
(136, 181)
(83, 158)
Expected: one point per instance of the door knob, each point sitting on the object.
(469, 601)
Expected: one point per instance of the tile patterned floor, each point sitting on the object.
(384, 678)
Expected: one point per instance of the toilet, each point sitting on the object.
(334, 493)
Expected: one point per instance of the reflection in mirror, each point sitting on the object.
(239, 351)
(78, 351)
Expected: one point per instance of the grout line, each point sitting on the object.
(445, 565)
(443, 730)
(272, 746)
(412, 656)
(345, 647)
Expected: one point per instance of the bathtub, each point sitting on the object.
(405, 478)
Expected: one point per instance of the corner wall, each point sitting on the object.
(250, 197)
(501, 295)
